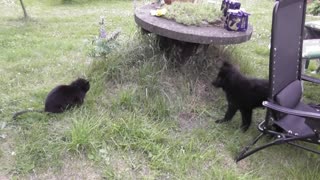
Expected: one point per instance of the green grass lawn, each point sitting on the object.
(143, 118)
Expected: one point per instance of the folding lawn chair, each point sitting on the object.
(288, 119)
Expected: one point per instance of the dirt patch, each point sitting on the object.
(3, 178)
(6, 151)
(244, 165)
(128, 166)
(196, 103)
(201, 90)
(201, 94)
(190, 121)
(73, 168)
(229, 161)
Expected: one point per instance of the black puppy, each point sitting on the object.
(242, 93)
(63, 97)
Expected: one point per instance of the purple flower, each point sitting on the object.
(102, 33)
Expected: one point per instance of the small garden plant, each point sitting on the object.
(314, 8)
(103, 44)
(193, 14)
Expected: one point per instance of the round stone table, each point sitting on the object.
(200, 35)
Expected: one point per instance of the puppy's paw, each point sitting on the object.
(244, 128)
(221, 121)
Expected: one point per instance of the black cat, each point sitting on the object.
(63, 97)
(242, 93)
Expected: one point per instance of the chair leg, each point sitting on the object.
(245, 153)
(318, 68)
(280, 140)
(307, 62)
(242, 153)
(305, 148)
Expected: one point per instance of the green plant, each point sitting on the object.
(103, 44)
(84, 134)
(125, 100)
(102, 47)
(314, 8)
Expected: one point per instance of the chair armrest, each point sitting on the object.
(294, 112)
(310, 79)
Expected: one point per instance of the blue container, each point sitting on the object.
(229, 4)
(234, 4)
(236, 20)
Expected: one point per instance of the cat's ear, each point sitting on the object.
(87, 85)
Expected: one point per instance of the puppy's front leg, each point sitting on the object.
(246, 115)
(231, 111)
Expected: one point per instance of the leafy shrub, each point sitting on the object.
(314, 8)
(103, 46)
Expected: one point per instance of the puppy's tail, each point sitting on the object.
(15, 115)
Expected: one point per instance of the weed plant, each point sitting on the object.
(314, 8)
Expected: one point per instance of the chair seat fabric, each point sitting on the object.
(296, 124)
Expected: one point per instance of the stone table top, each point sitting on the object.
(202, 35)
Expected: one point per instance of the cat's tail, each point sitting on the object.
(15, 115)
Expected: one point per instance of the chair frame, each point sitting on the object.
(267, 126)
